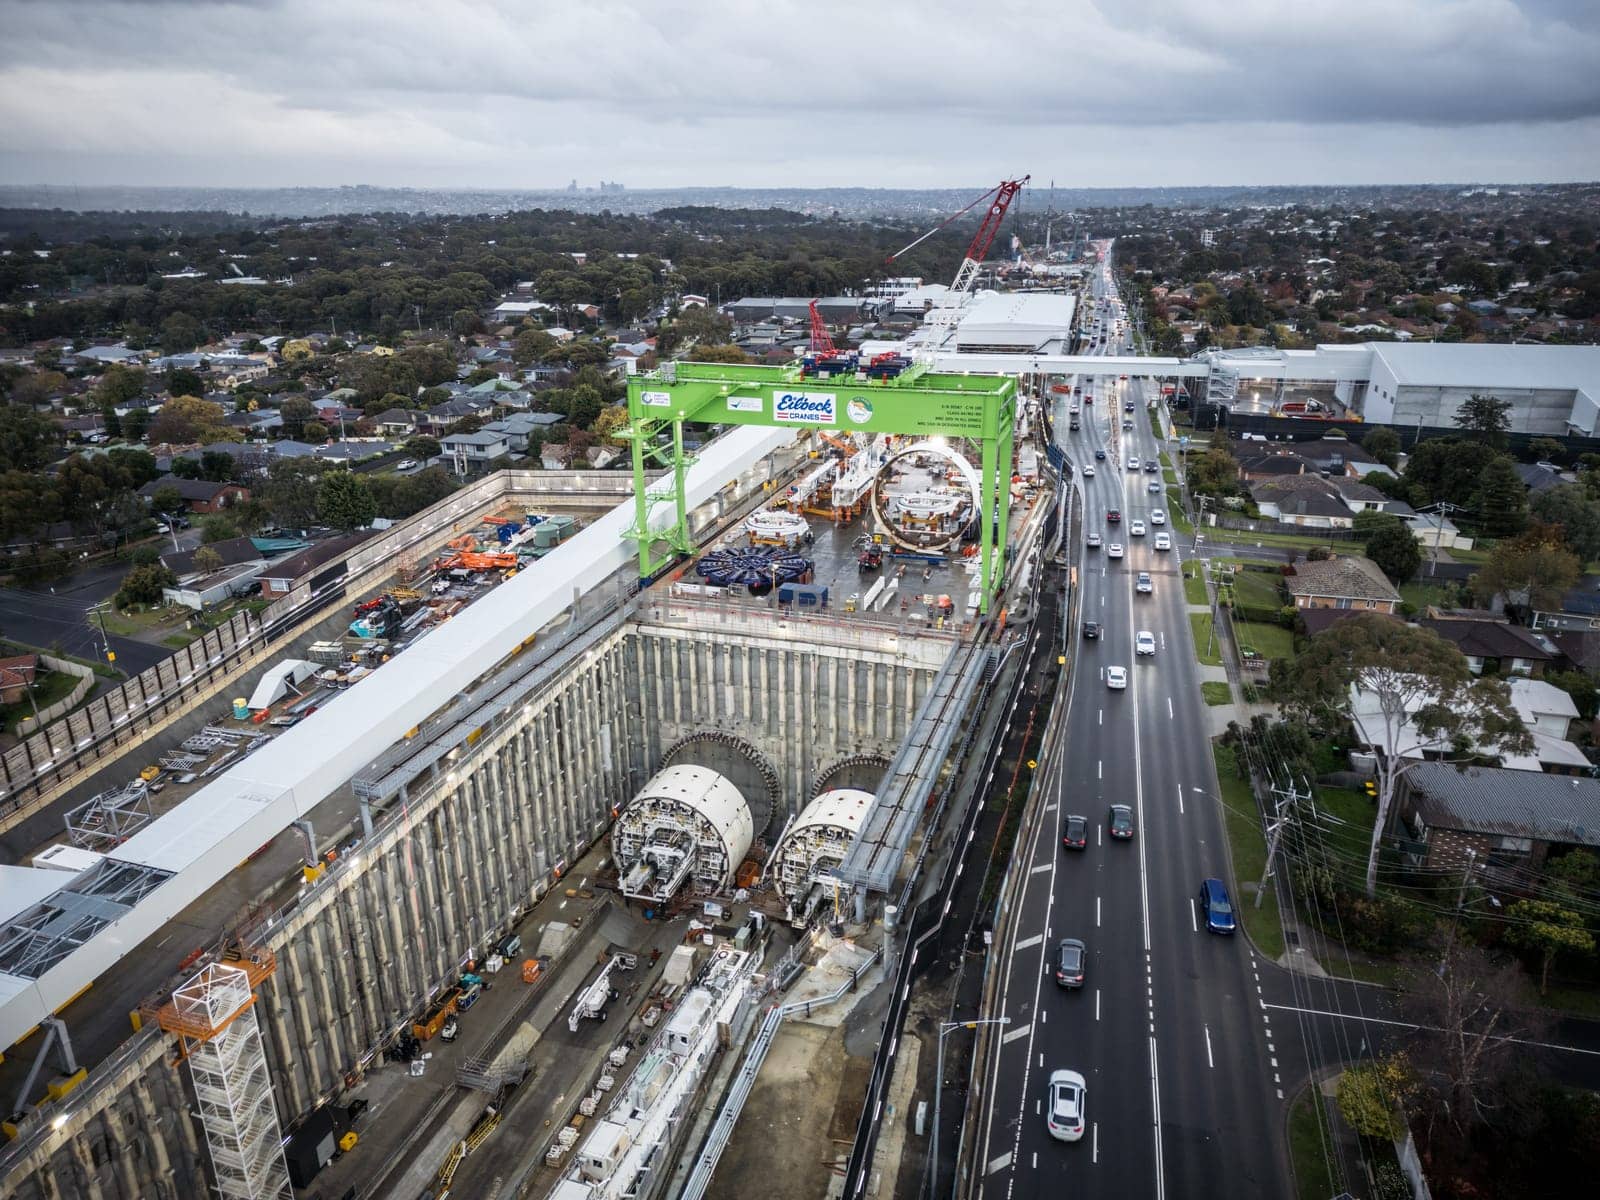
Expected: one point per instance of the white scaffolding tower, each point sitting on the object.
(214, 1015)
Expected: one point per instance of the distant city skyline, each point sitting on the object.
(1117, 93)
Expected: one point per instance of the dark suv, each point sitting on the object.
(1091, 631)
(1077, 835)
(1119, 822)
(1070, 963)
(1216, 907)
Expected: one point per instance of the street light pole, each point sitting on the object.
(946, 1027)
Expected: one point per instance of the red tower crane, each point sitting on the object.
(999, 198)
(821, 342)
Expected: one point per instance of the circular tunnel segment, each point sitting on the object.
(931, 518)
(813, 846)
(687, 827)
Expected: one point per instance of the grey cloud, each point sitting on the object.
(678, 87)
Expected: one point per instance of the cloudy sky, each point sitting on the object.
(662, 93)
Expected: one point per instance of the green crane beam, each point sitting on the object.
(920, 403)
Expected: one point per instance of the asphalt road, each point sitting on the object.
(59, 615)
(1168, 1031)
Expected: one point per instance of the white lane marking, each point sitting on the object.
(1027, 943)
(1099, 835)
(1097, 912)
(1096, 1141)
(1043, 866)
(1097, 1004)
(1099, 769)
(1170, 717)
(1193, 925)
(1180, 800)
(1014, 1034)
(1210, 1062)
(998, 1164)
(1155, 1100)
(1102, 716)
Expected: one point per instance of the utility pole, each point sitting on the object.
(1199, 514)
(1439, 510)
(1284, 809)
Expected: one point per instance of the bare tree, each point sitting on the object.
(1475, 1015)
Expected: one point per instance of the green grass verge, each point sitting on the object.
(1308, 1147)
(1419, 595)
(1475, 556)
(1248, 846)
(1259, 589)
(1216, 692)
(1269, 641)
(1200, 623)
(1175, 514)
(1194, 584)
(1170, 476)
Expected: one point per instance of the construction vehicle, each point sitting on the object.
(871, 559)
(443, 1009)
(999, 197)
(822, 358)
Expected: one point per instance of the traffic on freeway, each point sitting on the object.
(1138, 1058)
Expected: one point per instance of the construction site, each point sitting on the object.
(504, 884)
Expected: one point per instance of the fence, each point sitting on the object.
(101, 728)
(32, 724)
(1253, 525)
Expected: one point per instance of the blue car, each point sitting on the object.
(1216, 906)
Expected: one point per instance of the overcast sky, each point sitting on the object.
(760, 93)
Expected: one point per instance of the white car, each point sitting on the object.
(1135, 528)
(1133, 463)
(1116, 678)
(1163, 541)
(1094, 541)
(1158, 516)
(1065, 1112)
(1144, 642)
(1114, 550)
(1144, 584)
(406, 464)
(1088, 470)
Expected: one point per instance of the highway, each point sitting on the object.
(1169, 1030)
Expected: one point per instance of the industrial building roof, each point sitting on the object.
(1016, 321)
(1491, 365)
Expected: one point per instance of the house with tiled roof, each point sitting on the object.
(1343, 581)
(1493, 645)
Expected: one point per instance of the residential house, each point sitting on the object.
(290, 448)
(254, 424)
(317, 567)
(511, 311)
(1434, 531)
(555, 456)
(106, 355)
(518, 427)
(1309, 501)
(200, 592)
(1545, 711)
(477, 450)
(1579, 650)
(200, 495)
(1506, 824)
(347, 452)
(1491, 645)
(599, 457)
(345, 397)
(17, 675)
(233, 552)
(1344, 581)
(1539, 477)
(441, 416)
(398, 422)
(1579, 608)
(233, 374)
